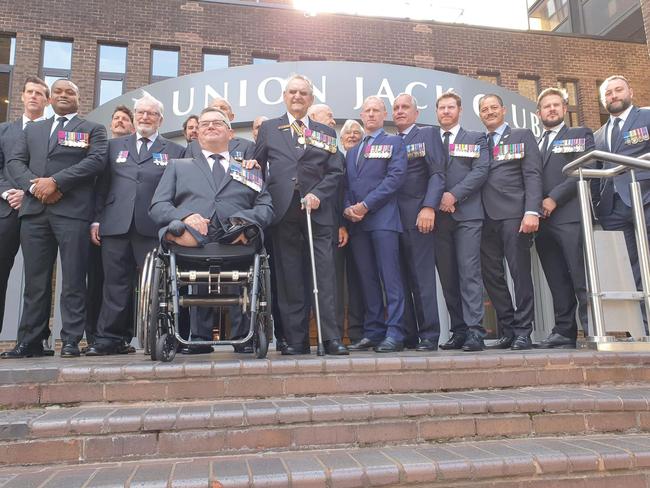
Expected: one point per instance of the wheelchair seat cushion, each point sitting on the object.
(213, 253)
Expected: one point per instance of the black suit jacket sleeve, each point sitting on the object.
(5, 183)
(477, 176)
(102, 186)
(260, 151)
(18, 163)
(163, 209)
(532, 172)
(566, 190)
(436, 162)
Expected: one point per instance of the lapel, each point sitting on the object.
(411, 135)
(233, 145)
(157, 147)
(362, 162)
(505, 136)
(549, 150)
(629, 122)
(47, 129)
(132, 148)
(352, 160)
(460, 137)
(286, 133)
(204, 166)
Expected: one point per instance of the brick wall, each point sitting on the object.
(645, 8)
(247, 31)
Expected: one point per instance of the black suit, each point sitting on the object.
(295, 170)
(458, 235)
(9, 223)
(559, 239)
(513, 187)
(124, 194)
(62, 226)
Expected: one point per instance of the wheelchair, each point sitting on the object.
(217, 271)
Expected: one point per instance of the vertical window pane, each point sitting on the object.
(7, 48)
(214, 61)
(527, 88)
(57, 54)
(112, 59)
(164, 63)
(4, 95)
(264, 60)
(108, 90)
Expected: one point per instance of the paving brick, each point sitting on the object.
(40, 452)
(131, 392)
(90, 421)
(119, 447)
(268, 472)
(70, 479)
(503, 426)
(191, 442)
(449, 428)
(19, 395)
(383, 432)
(344, 471)
(268, 438)
(254, 386)
(569, 423)
(231, 472)
(113, 477)
(379, 470)
(323, 435)
(194, 417)
(260, 413)
(305, 470)
(160, 418)
(610, 421)
(151, 476)
(414, 467)
(204, 389)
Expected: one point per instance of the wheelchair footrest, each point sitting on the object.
(210, 301)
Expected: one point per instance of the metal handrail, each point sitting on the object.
(624, 163)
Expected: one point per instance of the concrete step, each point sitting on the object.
(602, 461)
(128, 431)
(48, 381)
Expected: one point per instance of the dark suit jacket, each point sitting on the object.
(125, 189)
(465, 176)
(240, 148)
(309, 169)
(637, 118)
(424, 181)
(376, 182)
(73, 168)
(557, 186)
(9, 132)
(187, 186)
(514, 186)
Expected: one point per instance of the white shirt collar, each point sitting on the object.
(67, 116)
(305, 119)
(152, 138)
(407, 130)
(555, 129)
(623, 116)
(454, 131)
(225, 162)
(27, 119)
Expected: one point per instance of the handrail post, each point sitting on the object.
(641, 235)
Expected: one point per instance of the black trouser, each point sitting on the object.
(9, 244)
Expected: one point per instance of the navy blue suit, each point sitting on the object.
(423, 186)
(375, 240)
(458, 236)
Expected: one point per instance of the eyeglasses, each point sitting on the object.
(145, 113)
(207, 123)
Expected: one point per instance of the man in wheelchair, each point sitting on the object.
(210, 198)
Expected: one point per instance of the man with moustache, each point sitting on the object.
(191, 128)
(124, 230)
(512, 198)
(559, 239)
(304, 168)
(376, 169)
(459, 224)
(627, 132)
(55, 163)
(35, 97)
(122, 122)
(418, 197)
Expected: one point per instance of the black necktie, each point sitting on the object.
(490, 141)
(217, 170)
(545, 139)
(54, 137)
(144, 150)
(362, 149)
(616, 132)
(445, 143)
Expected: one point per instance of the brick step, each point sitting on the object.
(135, 378)
(97, 434)
(601, 461)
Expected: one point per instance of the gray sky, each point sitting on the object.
(501, 13)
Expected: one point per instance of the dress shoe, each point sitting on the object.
(389, 345)
(502, 343)
(557, 341)
(473, 343)
(126, 348)
(70, 350)
(281, 345)
(101, 349)
(411, 343)
(363, 345)
(197, 349)
(427, 345)
(335, 347)
(23, 350)
(246, 348)
(521, 343)
(456, 341)
(296, 350)
(47, 351)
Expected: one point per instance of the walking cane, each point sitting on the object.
(321, 349)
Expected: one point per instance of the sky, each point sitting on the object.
(510, 14)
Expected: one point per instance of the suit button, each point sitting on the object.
(217, 199)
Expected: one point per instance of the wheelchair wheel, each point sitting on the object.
(161, 340)
(142, 306)
(264, 321)
(165, 348)
(261, 337)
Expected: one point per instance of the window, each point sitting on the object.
(488, 78)
(264, 60)
(446, 69)
(215, 61)
(548, 15)
(111, 69)
(528, 88)
(164, 64)
(571, 88)
(56, 60)
(7, 55)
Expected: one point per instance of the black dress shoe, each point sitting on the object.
(503, 343)
(101, 349)
(427, 345)
(47, 351)
(197, 349)
(246, 348)
(557, 341)
(473, 343)
(456, 341)
(411, 342)
(281, 345)
(126, 348)
(521, 343)
(335, 348)
(363, 345)
(70, 350)
(295, 350)
(389, 345)
(23, 350)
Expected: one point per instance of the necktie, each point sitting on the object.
(217, 170)
(143, 153)
(490, 141)
(616, 132)
(402, 135)
(545, 139)
(445, 144)
(54, 137)
(362, 149)
(298, 131)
